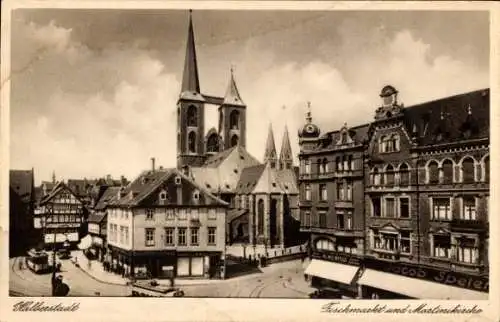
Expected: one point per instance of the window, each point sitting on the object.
(376, 239)
(486, 169)
(307, 166)
(170, 214)
(307, 188)
(322, 219)
(442, 246)
(376, 207)
(340, 221)
(389, 207)
(447, 170)
(212, 215)
(468, 208)
(382, 145)
(389, 242)
(126, 236)
(349, 222)
(467, 252)
(319, 166)
(150, 214)
(389, 175)
(340, 191)
(349, 191)
(338, 161)
(196, 196)
(404, 208)
(433, 172)
(194, 235)
(323, 192)
(307, 219)
(346, 163)
(150, 236)
(181, 237)
(352, 163)
(441, 208)
(325, 165)
(405, 242)
(194, 214)
(192, 142)
(192, 116)
(182, 214)
(260, 215)
(325, 244)
(169, 236)
(375, 177)
(468, 170)
(211, 235)
(404, 175)
(163, 195)
(234, 140)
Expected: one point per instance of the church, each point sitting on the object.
(263, 196)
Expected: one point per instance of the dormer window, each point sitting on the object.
(163, 195)
(196, 196)
(177, 180)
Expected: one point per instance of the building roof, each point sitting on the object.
(450, 117)
(329, 140)
(58, 188)
(49, 185)
(234, 214)
(249, 178)
(96, 217)
(106, 197)
(273, 180)
(22, 183)
(150, 181)
(80, 186)
(237, 156)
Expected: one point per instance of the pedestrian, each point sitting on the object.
(21, 264)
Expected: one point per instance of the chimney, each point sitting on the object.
(153, 164)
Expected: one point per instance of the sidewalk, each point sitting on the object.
(97, 272)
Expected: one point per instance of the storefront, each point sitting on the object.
(403, 281)
(334, 271)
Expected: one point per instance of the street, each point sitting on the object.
(281, 280)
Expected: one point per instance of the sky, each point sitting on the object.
(94, 92)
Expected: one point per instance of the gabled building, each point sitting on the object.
(423, 173)
(61, 216)
(163, 224)
(21, 207)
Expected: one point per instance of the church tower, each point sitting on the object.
(232, 117)
(270, 155)
(286, 156)
(190, 110)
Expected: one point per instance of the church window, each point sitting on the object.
(234, 119)
(212, 143)
(260, 216)
(192, 116)
(234, 140)
(192, 142)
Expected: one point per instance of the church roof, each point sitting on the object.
(232, 96)
(273, 180)
(286, 148)
(190, 79)
(236, 154)
(249, 178)
(270, 152)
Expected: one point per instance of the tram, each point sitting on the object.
(38, 261)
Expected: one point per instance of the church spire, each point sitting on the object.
(286, 158)
(270, 154)
(190, 80)
(232, 96)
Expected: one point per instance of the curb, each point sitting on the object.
(97, 279)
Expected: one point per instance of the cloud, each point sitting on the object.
(94, 112)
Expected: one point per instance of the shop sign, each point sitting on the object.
(336, 257)
(476, 283)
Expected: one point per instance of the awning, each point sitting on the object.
(417, 288)
(332, 271)
(85, 242)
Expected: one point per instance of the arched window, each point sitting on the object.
(325, 165)
(404, 175)
(234, 140)
(395, 142)
(447, 171)
(192, 142)
(234, 120)
(338, 161)
(376, 177)
(382, 144)
(486, 169)
(433, 172)
(213, 143)
(468, 170)
(260, 216)
(192, 116)
(389, 175)
(319, 166)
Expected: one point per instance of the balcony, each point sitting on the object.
(458, 224)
